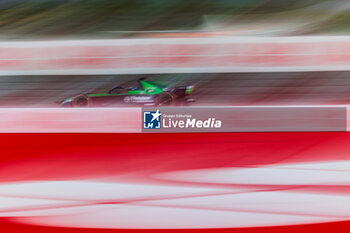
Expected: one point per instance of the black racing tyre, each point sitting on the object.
(165, 99)
(80, 101)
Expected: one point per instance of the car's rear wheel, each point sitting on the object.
(80, 101)
(165, 99)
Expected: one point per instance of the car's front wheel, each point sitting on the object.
(165, 99)
(80, 101)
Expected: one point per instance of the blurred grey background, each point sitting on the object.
(43, 19)
(94, 19)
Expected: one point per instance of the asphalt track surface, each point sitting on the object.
(299, 88)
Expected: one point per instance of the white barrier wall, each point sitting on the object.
(129, 120)
(70, 120)
(135, 56)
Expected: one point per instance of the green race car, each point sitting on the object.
(146, 93)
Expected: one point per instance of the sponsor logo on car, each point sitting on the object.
(138, 99)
